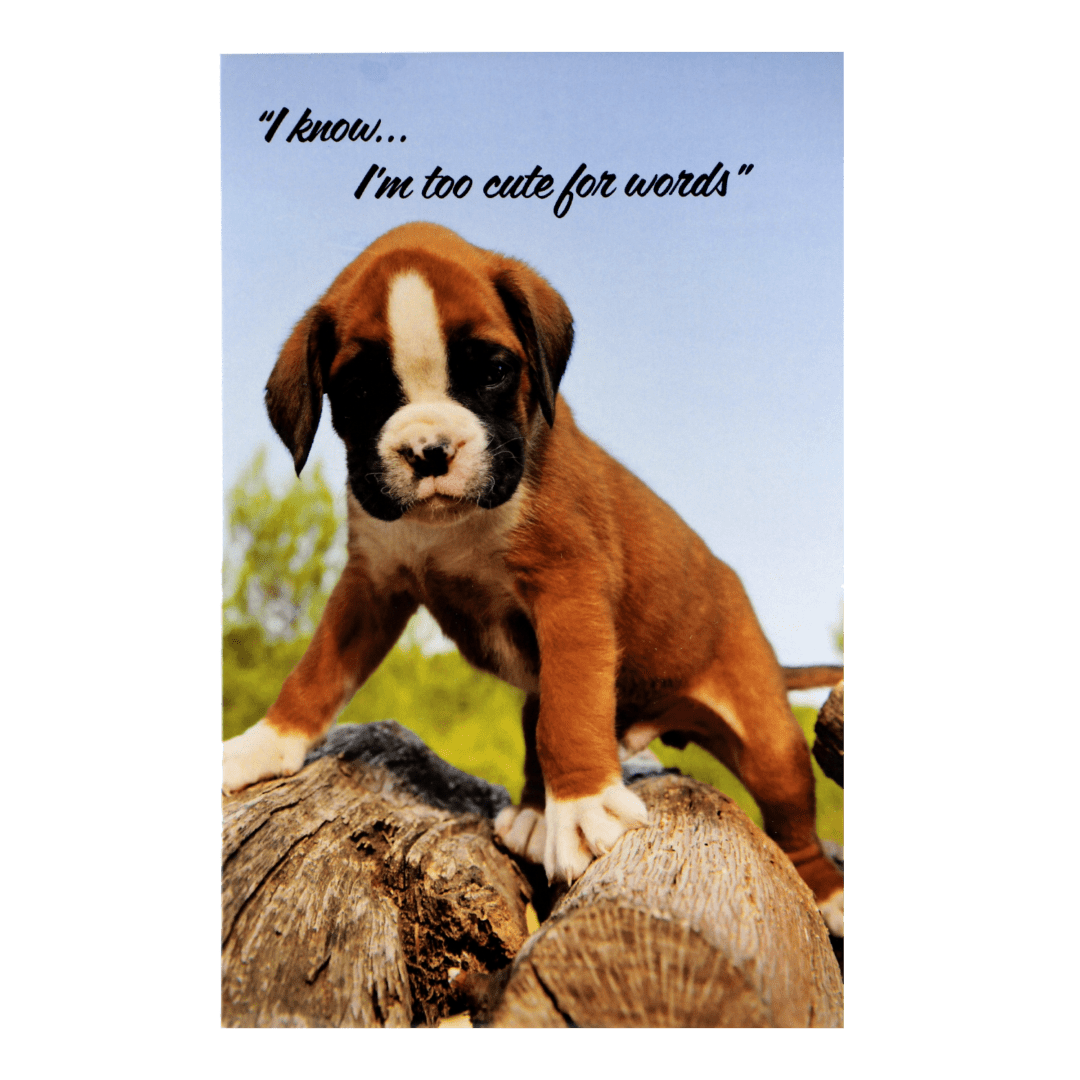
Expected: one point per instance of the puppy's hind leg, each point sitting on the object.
(758, 737)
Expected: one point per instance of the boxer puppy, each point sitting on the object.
(471, 491)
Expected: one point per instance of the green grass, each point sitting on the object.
(469, 718)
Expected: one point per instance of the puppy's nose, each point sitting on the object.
(431, 461)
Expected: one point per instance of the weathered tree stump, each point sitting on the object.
(698, 920)
(829, 735)
(350, 890)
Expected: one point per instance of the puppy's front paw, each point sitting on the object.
(522, 830)
(832, 912)
(259, 754)
(579, 829)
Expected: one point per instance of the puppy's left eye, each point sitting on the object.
(494, 373)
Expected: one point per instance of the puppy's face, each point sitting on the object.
(426, 391)
(439, 360)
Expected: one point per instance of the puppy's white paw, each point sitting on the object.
(833, 913)
(261, 753)
(522, 830)
(580, 829)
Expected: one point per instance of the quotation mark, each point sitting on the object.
(745, 169)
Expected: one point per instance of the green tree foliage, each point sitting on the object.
(279, 565)
(284, 552)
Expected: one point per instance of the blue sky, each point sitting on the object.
(709, 331)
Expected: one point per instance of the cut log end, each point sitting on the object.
(615, 966)
(698, 920)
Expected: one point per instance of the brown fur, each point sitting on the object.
(622, 621)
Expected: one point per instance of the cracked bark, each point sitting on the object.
(346, 897)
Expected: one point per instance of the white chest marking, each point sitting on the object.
(471, 548)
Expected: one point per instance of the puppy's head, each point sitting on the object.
(440, 361)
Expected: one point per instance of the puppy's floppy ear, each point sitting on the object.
(295, 388)
(542, 322)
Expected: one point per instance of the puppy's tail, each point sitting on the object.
(808, 678)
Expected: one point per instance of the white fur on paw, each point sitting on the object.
(833, 913)
(261, 753)
(579, 829)
(522, 830)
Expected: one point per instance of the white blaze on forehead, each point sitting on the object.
(417, 346)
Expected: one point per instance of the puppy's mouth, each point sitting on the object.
(439, 488)
(437, 508)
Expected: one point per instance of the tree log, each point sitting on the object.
(829, 735)
(698, 920)
(351, 892)
(351, 889)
